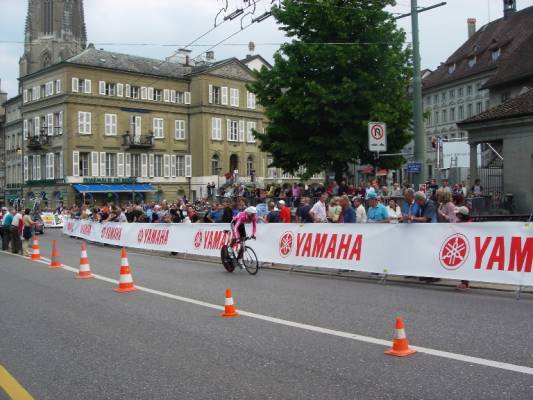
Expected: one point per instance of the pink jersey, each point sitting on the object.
(243, 218)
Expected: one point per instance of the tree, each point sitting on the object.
(347, 64)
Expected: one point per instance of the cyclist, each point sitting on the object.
(239, 231)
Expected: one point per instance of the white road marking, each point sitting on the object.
(312, 328)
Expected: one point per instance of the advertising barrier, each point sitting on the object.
(51, 220)
(500, 252)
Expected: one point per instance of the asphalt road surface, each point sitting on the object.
(63, 338)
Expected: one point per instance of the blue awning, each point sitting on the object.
(114, 188)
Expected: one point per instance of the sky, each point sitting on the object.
(161, 26)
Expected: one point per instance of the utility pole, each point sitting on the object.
(419, 136)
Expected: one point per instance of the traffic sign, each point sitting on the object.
(377, 136)
(414, 167)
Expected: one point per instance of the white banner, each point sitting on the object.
(499, 252)
(51, 220)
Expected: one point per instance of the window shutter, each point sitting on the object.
(46, 166)
(88, 121)
(61, 174)
(50, 166)
(138, 126)
(50, 124)
(36, 130)
(102, 164)
(37, 160)
(188, 166)
(166, 165)
(81, 122)
(60, 123)
(25, 129)
(224, 99)
(187, 97)
(150, 93)
(101, 88)
(120, 90)
(127, 170)
(107, 124)
(25, 168)
(248, 100)
(237, 93)
(173, 165)
(75, 163)
(75, 84)
(166, 95)
(228, 129)
(58, 86)
(144, 93)
(151, 165)
(241, 131)
(144, 165)
(120, 164)
(128, 90)
(172, 96)
(213, 128)
(25, 96)
(210, 94)
(87, 86)
(94, 164)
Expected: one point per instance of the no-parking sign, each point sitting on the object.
(377, 136)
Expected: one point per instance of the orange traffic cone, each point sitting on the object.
(229, 306)
(85, 268)
(55, 263)
(125, 282)
(35, 249)
(400, 345)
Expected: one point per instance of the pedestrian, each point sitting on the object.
(303, 215)
(27, 231)
(377, 212)
(284, 212)
(463, 215)
(360, 212)
(318, 211)
(273, 214)
(15, 231)
(394, 211)
(347, 215)
(334, 210)
(6, 228)
(396, 190)
(427, 211)
(446, 210)
(227, 214)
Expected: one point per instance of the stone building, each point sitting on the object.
(14, 147)
(3, 98)
(463, 86)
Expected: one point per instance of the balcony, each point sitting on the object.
(38, 142)
(138, 142)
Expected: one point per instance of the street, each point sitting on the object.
(65, 338)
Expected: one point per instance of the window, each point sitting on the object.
(250, 166)
(84, 123)
(461, 113)
(234, 97)
(452, 114)
(180, 166)
(469, 90)
(435, 99)
(251, 100)
(135, 92)
(250, 127)
(443, 97)
(215, 164)
(495, 54)
(272, 172)
(173, 96)
(120, 89)
(158, 94)
(158, 165)
(428, 120)
(58, 86)
(110, 89)
(452, 93)
(111, 124)
(43, 91)
(180, 97)
(144, 93)
(469, 110)
(472, 61)
(451, 69)
(233, 131)
(49, 88)
(179, 133)
(436, 114)
(215, 95)
(444, 116)
(111, 164)
(136, 165)
(58, 165)
(460, 92)
(505, 96)
(58, 123)
(487, 105)
(216, 128)
(479, 107)
(158, 127)
(84, 164)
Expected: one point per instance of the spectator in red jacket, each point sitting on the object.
(284, 212)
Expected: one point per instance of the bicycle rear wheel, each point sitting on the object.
(250, 261)
(227, 262)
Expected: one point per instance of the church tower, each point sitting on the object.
(55, 31)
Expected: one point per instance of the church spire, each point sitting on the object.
(55, 30)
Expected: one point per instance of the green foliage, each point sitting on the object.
(346, 64)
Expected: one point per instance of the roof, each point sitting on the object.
(250, 58)
(125, 62)
(508, 34)
(518, 107)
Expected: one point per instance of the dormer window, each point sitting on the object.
(451, 69)
(495, 54)
(472, 61)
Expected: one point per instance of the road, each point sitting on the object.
(64, 338)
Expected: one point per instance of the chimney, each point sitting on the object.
(471, 22)
(251, 48)
(509, 8)
(210, 55)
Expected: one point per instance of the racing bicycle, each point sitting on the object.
(229, 254)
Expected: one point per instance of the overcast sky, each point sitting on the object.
(178, 22)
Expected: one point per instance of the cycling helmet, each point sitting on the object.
(251, 210)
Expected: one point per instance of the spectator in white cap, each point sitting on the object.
(284, 212)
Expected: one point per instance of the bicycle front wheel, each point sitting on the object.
(250, 261)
